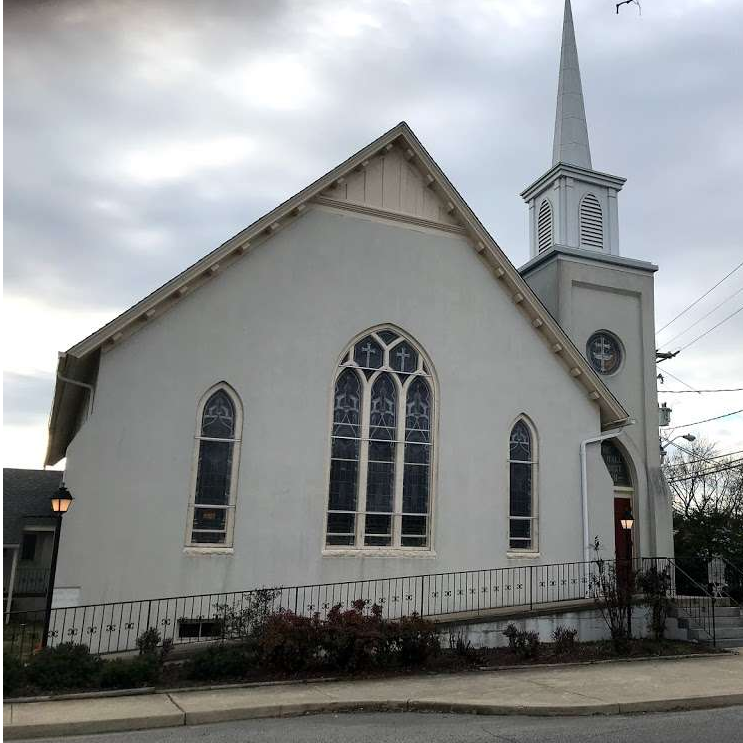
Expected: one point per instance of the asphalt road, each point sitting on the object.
(677, 727)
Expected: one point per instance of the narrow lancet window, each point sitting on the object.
(521, 463)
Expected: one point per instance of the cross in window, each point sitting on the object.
(402, 354)
(602, 351)
(368, 349)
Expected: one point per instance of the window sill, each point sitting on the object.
(525, 555)
(380, 552)
(208, 551)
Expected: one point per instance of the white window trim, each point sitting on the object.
(533, 549)
(396, 549)
(226, 547)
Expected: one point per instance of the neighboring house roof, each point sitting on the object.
(80, 362)
(26, 494)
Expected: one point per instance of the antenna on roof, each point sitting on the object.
(628, 2)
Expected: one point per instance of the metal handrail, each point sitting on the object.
(708, 598)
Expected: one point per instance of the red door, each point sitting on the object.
(622, 537)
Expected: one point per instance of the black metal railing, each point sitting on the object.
(114, 627)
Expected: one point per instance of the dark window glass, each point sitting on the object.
(417, 474)
(403, 358)
(378, 532)
(209, 518)
(341, 528)
(218, 421)
(520, 534)
(387, 336)
(520, 489)
(380, 481)
(604, 352)
(214, 473)
(616, 464)
(207, 537)
(344, 465)
(368, 353)
(28, 547)
(520, 448)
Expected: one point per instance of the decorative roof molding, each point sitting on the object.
(164, 298)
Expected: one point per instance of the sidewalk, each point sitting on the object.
(608, 688)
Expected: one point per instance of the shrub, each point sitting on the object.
(13, 674)
(290, 642)
(524, 644)
(511, 632)
(352, 641)
(66, 666)
(130, 673)
(223, 662)
(416, 640)
(564, 638)
(655, 585)
(148, 641)
(461, 646)
(248, 620)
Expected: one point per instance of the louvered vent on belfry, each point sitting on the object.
(591, 223)
(544, 226)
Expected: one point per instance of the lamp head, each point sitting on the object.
(62, 500)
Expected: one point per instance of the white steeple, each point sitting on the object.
(571, 131)
(572, 205)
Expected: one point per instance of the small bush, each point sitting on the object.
(417, 640)
(354, 641)
(66, 666)
(13, 674)
(524, 644)
(129, 673)
(148, 641)
(511, 632)
(223, 662)
(564, 639)
(461, 646)
(290, 642)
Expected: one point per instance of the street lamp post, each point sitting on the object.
(690, 437)
(61, 502)
(627, 522)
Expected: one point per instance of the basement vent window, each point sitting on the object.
(544, 226)
(199, 628)
(591, 223)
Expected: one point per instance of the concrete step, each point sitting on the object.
(733, 642)
(728, 621)
(723, 633)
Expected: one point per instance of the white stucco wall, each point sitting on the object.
(273, 327)
(587, 295)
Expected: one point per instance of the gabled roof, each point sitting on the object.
(26, 494)
(80, 361)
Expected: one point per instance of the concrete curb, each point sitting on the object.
(178, 717)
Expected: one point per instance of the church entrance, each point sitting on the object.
(623, 503)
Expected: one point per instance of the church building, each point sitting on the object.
(361, 384)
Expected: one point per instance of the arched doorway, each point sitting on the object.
(624, 493)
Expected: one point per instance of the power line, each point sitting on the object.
(703, 317)
(697, 301)
(684, 392)
(691, 389)
(707, 420)
(706, 332)
(731, 466)
(687, 462)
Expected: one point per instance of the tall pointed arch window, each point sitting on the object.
(522, 462)
(591, 223)
(545, 226)
(217, 454)
(381, 446)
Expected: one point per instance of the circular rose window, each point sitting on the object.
(604, 352)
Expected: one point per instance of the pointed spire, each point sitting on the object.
(571, 131)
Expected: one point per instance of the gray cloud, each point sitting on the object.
(114, 109)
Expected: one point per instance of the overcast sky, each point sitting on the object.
(140, 135)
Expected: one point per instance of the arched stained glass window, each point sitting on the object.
(217, 451)
(344, 462)
(382, 439)
(521, 501)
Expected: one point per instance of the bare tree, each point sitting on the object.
(704, 482)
